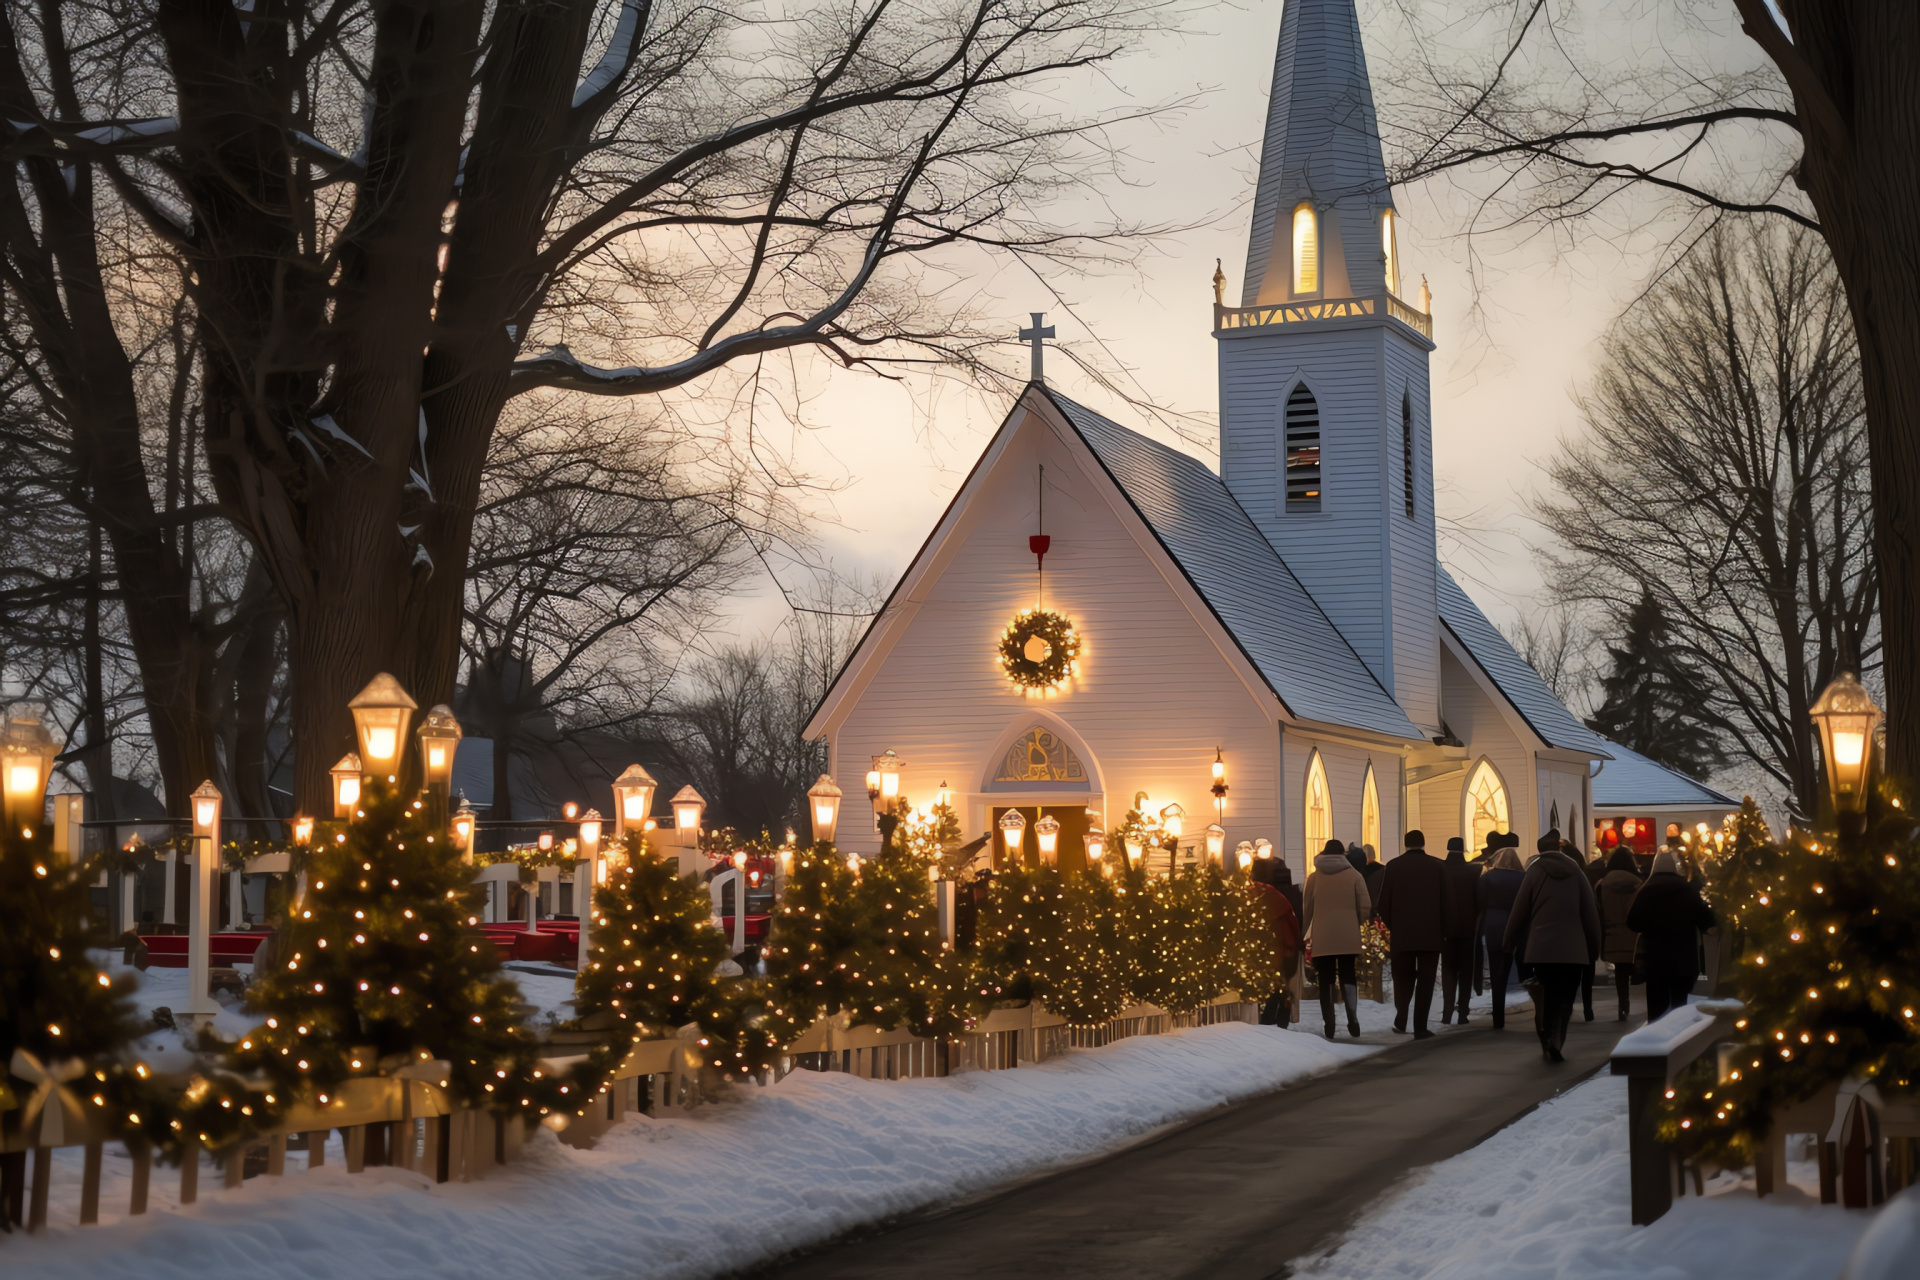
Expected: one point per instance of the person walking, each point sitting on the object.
(1499, 885)
(1459, 914)
(1277, 1009)
(1572, 851)
(1336, 905)
(1616, 892)
(1669, 916)
(1412, 906)
(1555, 927)
(1375, 871)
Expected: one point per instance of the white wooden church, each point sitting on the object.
(1285, 616)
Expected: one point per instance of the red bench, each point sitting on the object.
(224, 950)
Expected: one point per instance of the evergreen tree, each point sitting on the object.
(1020, 940)
(652, 968)
(1241, 942)
(1177, 966)
(1652, 696)
(813, 954)
(384, 968)
(1830, 931)
(54, 1003)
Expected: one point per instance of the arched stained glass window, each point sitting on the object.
(1041, 755)
(1317, 806)
(1303, 450)
(1306, 250)
(1486, 804)
(1370, 810)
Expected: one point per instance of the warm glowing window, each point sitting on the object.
(1388, 254)
(1318, 807)
(1303, 450)
(1486, 804)
(1306, 250)
(1370, 811)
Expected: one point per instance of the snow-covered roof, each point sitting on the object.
(1630, 780)
(1297, 650)
(1516, 679)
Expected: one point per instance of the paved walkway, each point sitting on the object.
(1237, 1194)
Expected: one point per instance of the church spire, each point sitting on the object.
(1321, 151)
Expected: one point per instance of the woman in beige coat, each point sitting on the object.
(1335, 905)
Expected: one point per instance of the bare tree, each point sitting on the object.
(593, 561)
(1556, 643)
(1724, 473)
(673, 185)
(1810, 118)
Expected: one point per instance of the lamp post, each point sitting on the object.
(883, 783)
(346, 785)
(26, 758)
(1217, 844)
(1847, 717)
(1013, 832)
(1263, 848)
(1136, 847)
(687, 810)
(823, 802)
(439, 735)
(1046, 835)
(381, 713)
(633, 799)
(1096, 847)
(206, 865)
(586, 875)
(463, 828)
(1219, 787)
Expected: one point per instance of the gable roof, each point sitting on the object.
(1510, 673)
(1631, 779)
(1299, 653)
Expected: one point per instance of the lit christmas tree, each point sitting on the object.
(813, 953)
(1175, 954)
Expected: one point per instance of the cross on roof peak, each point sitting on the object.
(1036, 336)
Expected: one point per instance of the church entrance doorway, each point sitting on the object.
(1074, 824)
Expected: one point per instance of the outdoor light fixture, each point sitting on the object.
(206, 810)
(1219, 787)
(823, 802)
(1046, 834)
(206, 828)
(1136, 847)
(302, 830)
(439, 735)
(1216, 843)
(463, 830)
(381, 712)
(26, 758)
(1263, 848)
(545, 842)
(1013, 830)
(1172, 819)
(883, 780)
(1244, 855)
(687, 808)
(1096, 846)
(590, 830)
(346, 785)
(633, 794)
(1846, 717)
(944, 796)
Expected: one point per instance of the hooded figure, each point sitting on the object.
(1336, 904)
(1555, 927)
(1458, 916)
(1669, 913)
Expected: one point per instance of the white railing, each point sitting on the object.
(1284, 313)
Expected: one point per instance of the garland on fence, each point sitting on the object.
(66, 1029)
(1828, 936)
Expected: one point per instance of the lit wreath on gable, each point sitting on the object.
(1038, 649)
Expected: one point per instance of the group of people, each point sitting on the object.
(1457, 922)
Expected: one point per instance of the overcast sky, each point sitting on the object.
(1503, 378)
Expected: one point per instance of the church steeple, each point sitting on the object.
(1321, 154)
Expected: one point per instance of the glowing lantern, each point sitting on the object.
(1046, 834)
(381, 712)
(1846, 717)
(823, 801)
(1013, 831)
(1096, 846)
(302, 830)
(1172, 820)
(439, 735)
(633, 794)
(687, 809)
(346, 785)
(26, 758)
(1216, 842)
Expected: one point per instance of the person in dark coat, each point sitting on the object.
(1555, 924)
(1458, 914)
(1277, 1009)
(1280, 876)
(1412, 906)
(1498, 886)
(1572, 851)
(1616, 892)
(1375, 872)
(1668, 913)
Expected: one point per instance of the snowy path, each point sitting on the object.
(729, 1186)
(1548, 1198)
(1242, 1193)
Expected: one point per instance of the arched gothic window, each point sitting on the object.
(1303, 450)
(1370, 810)
(1486, 804)
(1406, 447)
(1306, 250)
(1317, 807)
(1389, 253)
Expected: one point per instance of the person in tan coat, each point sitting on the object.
(1336, 904)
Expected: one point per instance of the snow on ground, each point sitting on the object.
(1547, 1197)
(727, 1186)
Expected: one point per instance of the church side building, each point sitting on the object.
(1285, 615)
